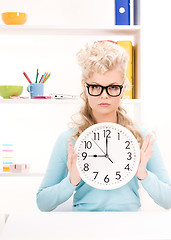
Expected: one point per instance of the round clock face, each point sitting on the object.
(108, 155)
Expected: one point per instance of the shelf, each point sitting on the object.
(57, 101)
(55, 30)
(39, 101)
(8, 174)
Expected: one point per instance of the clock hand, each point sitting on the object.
(100, 156)
(109, 159)
(96, 155)
(102, 151)
(98, 146)
(107, 156)
(107, 146)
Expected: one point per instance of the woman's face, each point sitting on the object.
(105, 104)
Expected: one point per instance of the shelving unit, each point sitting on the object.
(49, 32)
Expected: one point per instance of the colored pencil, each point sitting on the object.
(27, 77)
(47, 78)
(37, 75)
(43, 77)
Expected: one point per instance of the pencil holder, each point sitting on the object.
(35, 89)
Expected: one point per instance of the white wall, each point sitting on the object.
(19, 120)
(156, 78)
(156, 52)
(80, 13)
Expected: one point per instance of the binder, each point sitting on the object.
(122, 12)
(129, 74)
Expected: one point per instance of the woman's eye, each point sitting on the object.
(114, 87)
(95, 87)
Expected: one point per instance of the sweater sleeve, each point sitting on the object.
(158, 183)
(56, 187)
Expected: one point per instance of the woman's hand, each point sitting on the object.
(145, 154)
(71, 164)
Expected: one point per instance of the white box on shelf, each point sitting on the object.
(19, 168)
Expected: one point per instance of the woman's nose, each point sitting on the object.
(104, 94)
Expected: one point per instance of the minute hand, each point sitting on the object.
(105, 155)
(107, 146)
(99, 146)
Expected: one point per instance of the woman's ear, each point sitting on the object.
(85, 89)
(123, 90)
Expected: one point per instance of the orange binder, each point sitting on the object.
(129, 48)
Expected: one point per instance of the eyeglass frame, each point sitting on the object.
(104, 87)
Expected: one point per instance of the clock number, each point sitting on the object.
(84, 155)
(118, 136)
(107, 133)
(88, 144)
(95, 175)
(128, 143)
(127, 167)
(96, 136)
(129, 156)
(106, 179)
(118, 175)
(86, 167)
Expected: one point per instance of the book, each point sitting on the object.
(129, 74)
(131, 12)
(122, 12)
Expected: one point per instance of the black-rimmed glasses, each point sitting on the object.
(96, 90)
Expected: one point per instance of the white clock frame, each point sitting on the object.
(126, 135)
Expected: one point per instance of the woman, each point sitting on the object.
(104, 66)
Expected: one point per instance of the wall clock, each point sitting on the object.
(108, 155)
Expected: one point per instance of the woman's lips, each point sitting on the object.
(104, 104)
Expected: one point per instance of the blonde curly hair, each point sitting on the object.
(100, 57)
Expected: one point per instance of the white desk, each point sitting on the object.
(88, 226)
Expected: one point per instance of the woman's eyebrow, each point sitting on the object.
(114, 83)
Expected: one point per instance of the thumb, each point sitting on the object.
(75, 158)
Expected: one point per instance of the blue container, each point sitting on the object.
(122, 12)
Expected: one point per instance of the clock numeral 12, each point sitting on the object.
(107, 133)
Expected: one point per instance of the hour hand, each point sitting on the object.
(95, 155)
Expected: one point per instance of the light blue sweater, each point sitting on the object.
(56, 187)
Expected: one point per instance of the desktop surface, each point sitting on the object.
(88, 226)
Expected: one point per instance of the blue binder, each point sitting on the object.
(122, 12)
